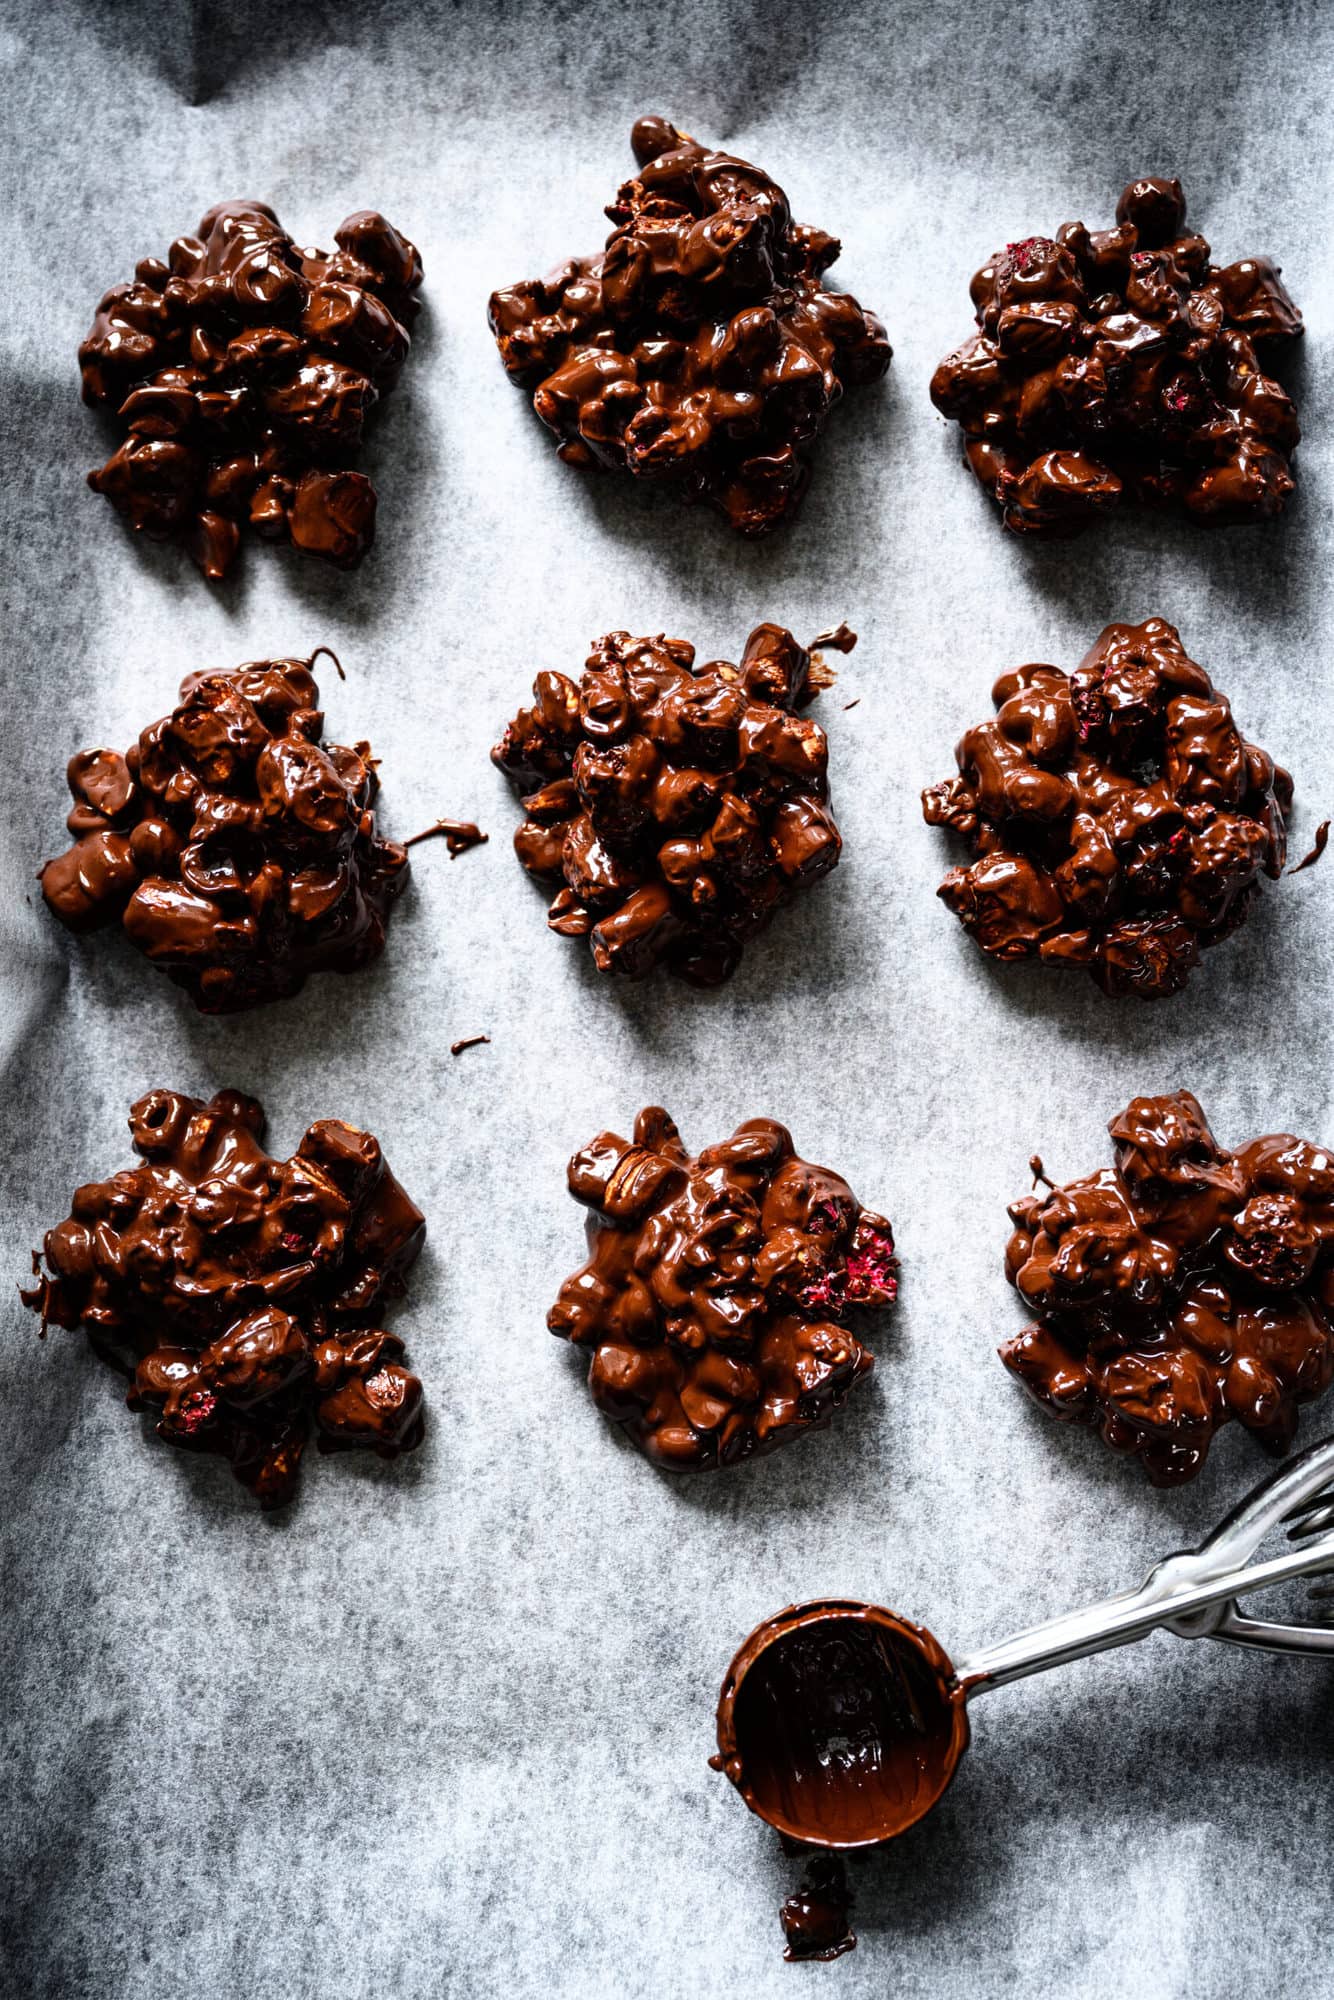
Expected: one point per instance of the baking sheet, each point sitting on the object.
(441, 1729)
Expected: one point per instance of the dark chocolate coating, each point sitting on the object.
(241, 1293)
(717, 1291)
(241, 372)
(840, 1724)
(235, 849)
(1118, 818)
(1181, 1289)
(815, 1918)
(699, 349)
(677, 806)
(1120, 365)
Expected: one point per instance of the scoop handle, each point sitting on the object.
(1192, 1593)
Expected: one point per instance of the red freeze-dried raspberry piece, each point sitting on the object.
(1021, 254)
(196, 1411)
(871, 1273)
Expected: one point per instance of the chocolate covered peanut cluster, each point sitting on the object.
(242, 1294)
(717, 1296)
(1182, 1289)
(1120, 365)
(241, 371)
(235, 848)
(699, 349)
(677, 806)
(1119, 820)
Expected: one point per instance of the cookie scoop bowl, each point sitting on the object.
(842, 1724)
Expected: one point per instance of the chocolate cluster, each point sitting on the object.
(242, 1294)
(816, 1917)
(1118, 365)
(1118, 818)
(676, 806)
(1181, 1289)
(718, 1291)
(699, 349)
(235, 848)
(241, 372)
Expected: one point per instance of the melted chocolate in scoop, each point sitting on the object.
(840, 1724)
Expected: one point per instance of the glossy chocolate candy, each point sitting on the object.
(1118, 819)
(1184, 1288)
(1121, 365)
(699, 349)
(717, 1295)
(234, 847)
(241, 372)
(243, 1294)
(677, 807)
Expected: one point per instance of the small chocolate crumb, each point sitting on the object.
(460, 835)
(850, 704)
(338, 665)
(468, 1042)
(815, 1918)
(1321, 843)
(840, 637)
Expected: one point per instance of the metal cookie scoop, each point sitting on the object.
(841, 1724)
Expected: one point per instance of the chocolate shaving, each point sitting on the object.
(841, 638)
(468, 1042)
(1321, 843)
(459, 835)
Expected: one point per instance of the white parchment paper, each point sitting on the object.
(441, 1729)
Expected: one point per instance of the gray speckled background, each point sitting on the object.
(442, 1728)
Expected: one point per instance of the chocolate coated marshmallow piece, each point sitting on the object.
(241, 372)
(716, 1296)
(1119, 820)
(242, 1294)
(677, 807)
(1120, 365)
(699, 349)
(235, 848)
(1179, 1290)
